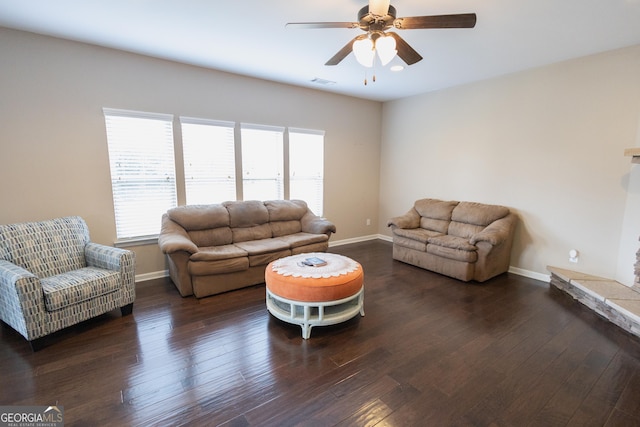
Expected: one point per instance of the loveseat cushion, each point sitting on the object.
(435, 214)
(216, 253)
(478, 213)
(452, 242)
(452, 247)
(200, 217)
(76, 286)
(418, 234)
(452, 253)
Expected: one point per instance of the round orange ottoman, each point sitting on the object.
(314, 289)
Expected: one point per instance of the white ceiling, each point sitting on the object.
(249, 37)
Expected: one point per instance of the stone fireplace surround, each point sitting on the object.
(612, 300)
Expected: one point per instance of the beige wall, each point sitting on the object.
(547, 142)
(53, 151)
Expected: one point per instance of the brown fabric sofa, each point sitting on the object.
(464, 240)
(220, 247)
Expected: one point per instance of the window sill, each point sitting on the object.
(136, 241)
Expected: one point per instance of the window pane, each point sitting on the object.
(142, 170)
(262, 163)
(306, 168)
(209, 161)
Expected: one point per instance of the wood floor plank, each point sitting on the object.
(430, 351)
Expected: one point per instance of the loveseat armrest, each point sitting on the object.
(174, 238)
(497, 232)
(21, 300)
(409, 220)
(311, 223)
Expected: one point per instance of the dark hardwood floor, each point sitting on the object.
(430, 351)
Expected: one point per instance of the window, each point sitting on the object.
(306, 167)
(209, 160)
(143, 177)
(262, 162)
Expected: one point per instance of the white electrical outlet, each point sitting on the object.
(368, 221)
(573, 255)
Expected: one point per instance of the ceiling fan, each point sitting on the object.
(375, 19)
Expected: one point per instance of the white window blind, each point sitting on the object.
(209, 160)
(262, 162)
(306, 167)
(143, 177)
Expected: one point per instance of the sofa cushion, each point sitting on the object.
(200, 217)
(302, 239)
(76, 286)
(216, 253)
(286, 210)
(257, 232)
(283, 228)
(478, 213)
(211, 237)
(247, 213)
(205, 268)
(266, 258)
(262, 246)
(419, 234)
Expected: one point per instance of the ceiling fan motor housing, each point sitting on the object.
(371, 22)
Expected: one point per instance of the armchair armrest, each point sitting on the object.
(497, 232)
(311, 223)
(21, 300)
(107, 257)
(174, 238)
(409, 220)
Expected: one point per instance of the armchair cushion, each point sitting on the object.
(77, 286)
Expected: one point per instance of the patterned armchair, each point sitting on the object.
(52, 276)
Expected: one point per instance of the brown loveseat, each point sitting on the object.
(464, 240)
(221, 247)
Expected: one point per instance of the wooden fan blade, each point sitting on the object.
(342, 53)
(405, 52)
(464, 20)
(379, 7)
(314, 25)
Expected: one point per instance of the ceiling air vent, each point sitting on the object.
(323, 82)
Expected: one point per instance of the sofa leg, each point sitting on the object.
(127, 309)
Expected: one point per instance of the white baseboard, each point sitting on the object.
(530, 274)
(151, 276)
(354, 240)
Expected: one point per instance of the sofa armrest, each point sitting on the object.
(174, 238)
(409, 220)
(311, 223)
(21, 300)
(497, 232)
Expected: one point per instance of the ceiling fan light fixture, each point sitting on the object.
(364, 51)
(386, 48)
